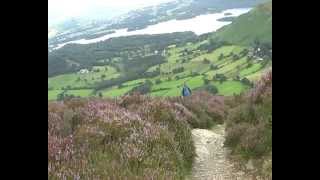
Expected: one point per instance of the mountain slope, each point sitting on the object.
(255, 25)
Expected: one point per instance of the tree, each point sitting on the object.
(103, 76)
(206, 61)
(142, 89)
(193, 74)
(235, 57)
(213, 67)
(221, 56)
(244, 52)
(249, 64)
(236, 78)
(120, 86)
(178, 70)
(220, 77)
(246, 81)
(212, 89)
(60, 96)
(206, 81)
(100, 95)
(148, 82)
(249, 58)
(209, 88)
(106, 69)
(158, 81)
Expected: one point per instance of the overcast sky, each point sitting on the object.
(62, 9)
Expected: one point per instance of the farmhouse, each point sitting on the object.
(83, 71)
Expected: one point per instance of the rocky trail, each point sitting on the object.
(211, 162)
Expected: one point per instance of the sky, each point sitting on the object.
(59, 10)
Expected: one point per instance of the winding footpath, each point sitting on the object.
(211, 162)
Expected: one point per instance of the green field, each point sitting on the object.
(52, 94)
(75, 80)
(114, 92)
(229, 88)
(171, 83)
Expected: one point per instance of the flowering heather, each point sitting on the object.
(263, 88)
(205, 110)
(249, 126)
(131, 137)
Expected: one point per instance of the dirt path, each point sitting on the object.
(211, 162)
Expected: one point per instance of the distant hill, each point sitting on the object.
(255, 25)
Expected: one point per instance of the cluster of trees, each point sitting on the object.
(221, 56)
(73, 57)
(144, 88)
(213, 67)
(64, 96)
(247, 82)
(262, 49)
(235, 57)
(193, 74)
(220, 77)
(206, 61)
(122, 79)
(131, 70)
(178, 70)
(209, 88)
(158, 81)
(206, 81)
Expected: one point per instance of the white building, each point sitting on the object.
(84, 71)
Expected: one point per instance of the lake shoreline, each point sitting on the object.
(201, 24)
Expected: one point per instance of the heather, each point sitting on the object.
(132, 137)
(206, 110)
(249, 126)
(142, 137)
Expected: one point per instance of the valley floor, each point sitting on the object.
(211, 162)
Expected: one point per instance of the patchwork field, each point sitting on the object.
(186, 64)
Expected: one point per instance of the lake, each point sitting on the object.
(199, 25)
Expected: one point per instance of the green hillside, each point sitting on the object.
(196, 67)
(255, 25)
(158, 65)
